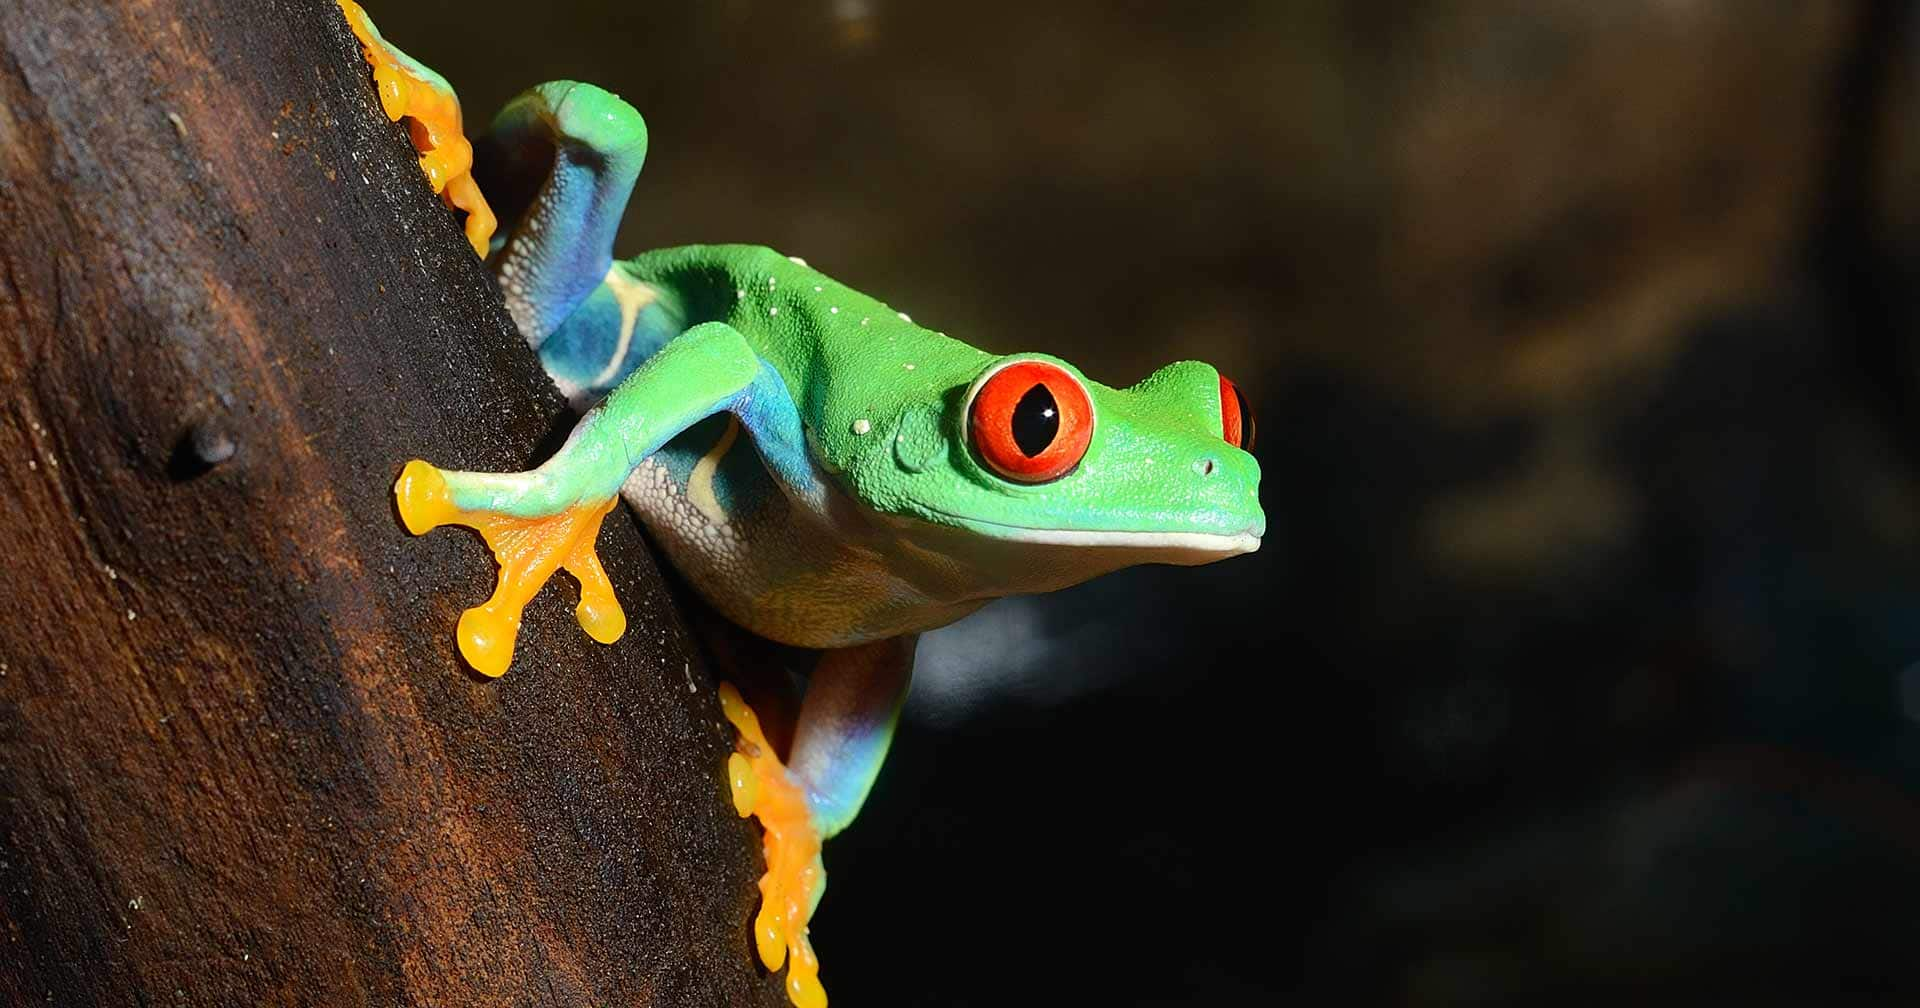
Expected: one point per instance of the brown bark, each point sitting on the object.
(240, 761)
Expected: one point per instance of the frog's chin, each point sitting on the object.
(1162, 547)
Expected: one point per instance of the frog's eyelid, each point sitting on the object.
(973, 390)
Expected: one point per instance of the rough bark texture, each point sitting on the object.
(240, 762)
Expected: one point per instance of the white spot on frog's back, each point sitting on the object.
(862, 425)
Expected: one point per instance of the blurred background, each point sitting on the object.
(1582, 661)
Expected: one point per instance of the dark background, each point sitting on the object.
(1582, 661)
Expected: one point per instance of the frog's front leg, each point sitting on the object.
(846, 723)
(541, 521)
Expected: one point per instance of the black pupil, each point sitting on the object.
(1036, 419)
(1246, 420)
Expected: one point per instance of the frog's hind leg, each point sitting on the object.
(562, 158)
(846, 723)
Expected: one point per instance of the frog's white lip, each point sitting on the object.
(1200, 545)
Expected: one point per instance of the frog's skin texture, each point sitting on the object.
(816, 464)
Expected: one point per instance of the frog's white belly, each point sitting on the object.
(776, 567)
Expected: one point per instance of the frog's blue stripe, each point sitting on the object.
(680, 455)
(842, 766)
(774, 449)
(579, 353)
(846, 724)
(768, 412)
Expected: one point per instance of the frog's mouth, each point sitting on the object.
(1192, 547)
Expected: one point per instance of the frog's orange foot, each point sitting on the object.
(411, 91)
(791, 888)
(529, 551)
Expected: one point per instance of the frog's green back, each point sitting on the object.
(844, 355)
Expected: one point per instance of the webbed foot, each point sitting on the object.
(529, 549)
(546, 519)
(409, 89)
(795, 878)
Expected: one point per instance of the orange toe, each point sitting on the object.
(433, 114)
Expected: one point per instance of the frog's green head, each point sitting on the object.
(1022, 469)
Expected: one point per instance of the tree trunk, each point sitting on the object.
(240, 760)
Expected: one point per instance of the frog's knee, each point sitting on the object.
(591, 118)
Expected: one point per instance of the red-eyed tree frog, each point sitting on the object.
(823, 470)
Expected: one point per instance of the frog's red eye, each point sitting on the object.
(1236, 416)
(1031, 421)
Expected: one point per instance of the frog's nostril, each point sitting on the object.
(1206, 466)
